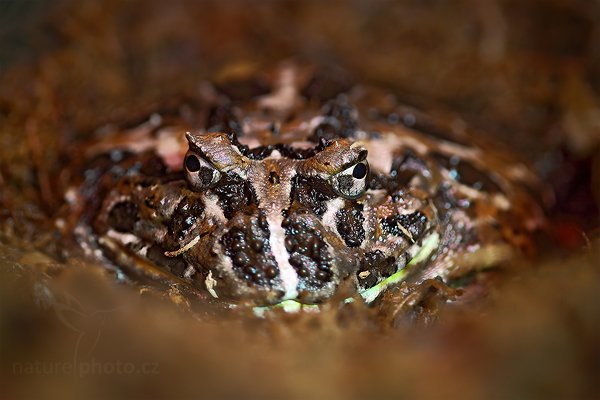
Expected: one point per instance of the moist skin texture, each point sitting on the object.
(287, 189)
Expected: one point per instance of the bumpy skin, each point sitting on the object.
(271, 205)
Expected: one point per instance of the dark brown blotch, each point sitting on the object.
(235, 195)
(415, 223)
(349, 224)
(375, 267)
(312, 193)
(465, 172)
(123, 216)
(308, 253)
(188, 212)
(249, 249)
(175, 265)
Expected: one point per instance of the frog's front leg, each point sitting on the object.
(133, 229)
(402, 227)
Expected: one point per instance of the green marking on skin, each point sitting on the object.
(430, 243)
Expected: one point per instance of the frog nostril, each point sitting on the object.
(274, 178)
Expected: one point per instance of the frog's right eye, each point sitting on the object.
(199, 173)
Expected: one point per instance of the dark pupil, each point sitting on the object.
(360, 171)
(192, 163)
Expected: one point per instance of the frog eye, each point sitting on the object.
(351, 182)
(199, 173)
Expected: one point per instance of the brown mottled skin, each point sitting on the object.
(286, 194)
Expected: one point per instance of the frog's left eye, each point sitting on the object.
(199, 173)
(351, 183)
